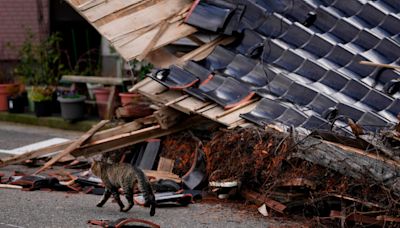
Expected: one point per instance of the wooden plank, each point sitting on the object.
(161, 30)
(165, 164)
(33, 154)
(192, 103)
(157, 175)
(89, 4)
(175, 31)
(110, 104)
(73, 146)
(121, 136)
(95, 79)
(161, 58)
(97, 12)
(140, 84)
(379, 65)
(206, 108)
(167, 117)
(121, 141)
(176, 100)
(125, 128)
(260, 199)
(148, 16)
(212, 112)
(10, 186)
(152, 87)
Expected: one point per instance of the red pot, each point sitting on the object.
(129, 98)
(5, 91)
(135, 104)
(102, 95)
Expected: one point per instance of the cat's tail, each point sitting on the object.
(145, 187)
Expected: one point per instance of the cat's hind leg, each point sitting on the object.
(106, 196)
(128, 190)
(115, 194)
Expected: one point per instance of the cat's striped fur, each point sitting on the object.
(125, 176)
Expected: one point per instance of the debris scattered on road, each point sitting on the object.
(123, 222)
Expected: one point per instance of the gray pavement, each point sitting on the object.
(60, 209)
(16, 135)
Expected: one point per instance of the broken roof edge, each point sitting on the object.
(135, 40)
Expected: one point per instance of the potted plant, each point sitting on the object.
(42, 98)
(134, 103)
(72, 106)
(40, 68)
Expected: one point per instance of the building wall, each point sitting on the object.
(16, 18)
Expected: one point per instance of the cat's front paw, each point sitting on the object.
(99, 205)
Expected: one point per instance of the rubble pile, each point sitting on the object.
(181, 148)
(264, 165)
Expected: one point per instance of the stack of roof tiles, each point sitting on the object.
(302, 57)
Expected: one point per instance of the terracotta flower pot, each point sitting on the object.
(5, 91)
(135, 104)
(102, 95)
(129, 98)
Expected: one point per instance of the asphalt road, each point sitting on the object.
(61, 209)
(17, 135)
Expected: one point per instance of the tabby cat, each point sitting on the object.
(125, 176)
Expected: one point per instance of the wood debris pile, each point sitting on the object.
(278, 170)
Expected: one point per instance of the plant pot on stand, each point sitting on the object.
(72, 107)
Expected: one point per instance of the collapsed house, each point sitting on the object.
(309, 89)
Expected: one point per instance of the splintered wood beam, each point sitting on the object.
(125, 128)
(125, 140)
(95, 79)
(110, 103)
(73, 146)
(157, 175)
(350, 161)
(162, 28)
(260, 199)
(165, 164)
(167, 117)
(33, 154)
